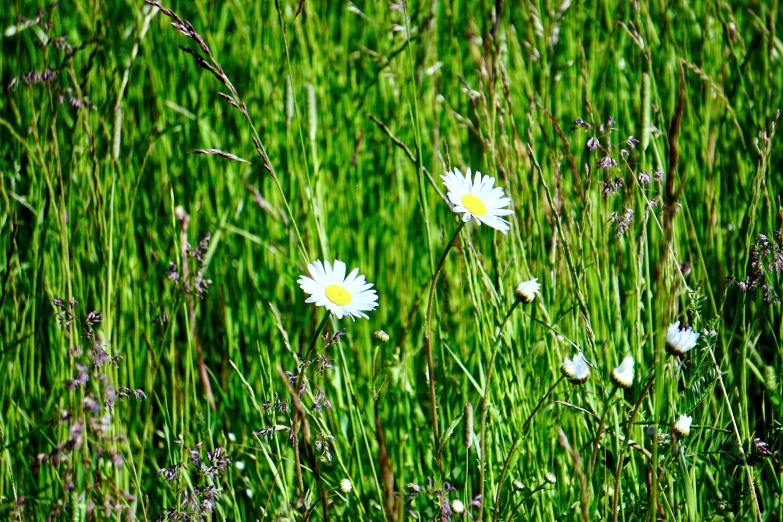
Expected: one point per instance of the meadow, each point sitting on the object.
(172, 174)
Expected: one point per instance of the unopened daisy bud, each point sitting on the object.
(577, 370)
(467, 435)
(527, 290)
(518, 485)
(381, 336)
(457, 506)
(683, 426)
(622, 376)
(679, 342)
(550, 477)
(346, 486)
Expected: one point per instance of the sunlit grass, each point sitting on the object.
(179, 182)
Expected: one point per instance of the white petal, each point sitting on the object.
(329, 272)
(351, 277)
(339, 272)
(317, 271)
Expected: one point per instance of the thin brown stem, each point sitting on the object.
(584, 501)
(184, 220)
(387, 471)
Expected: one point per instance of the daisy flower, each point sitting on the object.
(683, 426)
(679, 342)
(345, 485)
(477, 197)
(341, 295)
(622, 376)
(577, 370)
(527, 290)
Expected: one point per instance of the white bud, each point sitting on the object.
(683, 426)
(527, 290)
(623, 375)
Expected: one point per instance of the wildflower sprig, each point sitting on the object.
(472, 197)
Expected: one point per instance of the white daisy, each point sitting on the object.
(527, 290)
(679, 342)
(457, 506)
(622, 376)
(683, 425)
(346, 486)
(477, 197)
(577, 371)
(341, 295)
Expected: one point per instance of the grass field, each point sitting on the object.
(159, 360)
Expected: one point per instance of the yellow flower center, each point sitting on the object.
(338, 295)
(474, 205)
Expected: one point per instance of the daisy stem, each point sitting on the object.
(600, 431)
(485, 400)
(514, 448)
(312, 345)
(303, 362)
(428, 343)
(619, 469)
(525, 497)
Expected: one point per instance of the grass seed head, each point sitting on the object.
(467, 436)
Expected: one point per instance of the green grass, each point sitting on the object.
(88, 211)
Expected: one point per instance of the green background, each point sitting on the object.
(94, 162)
